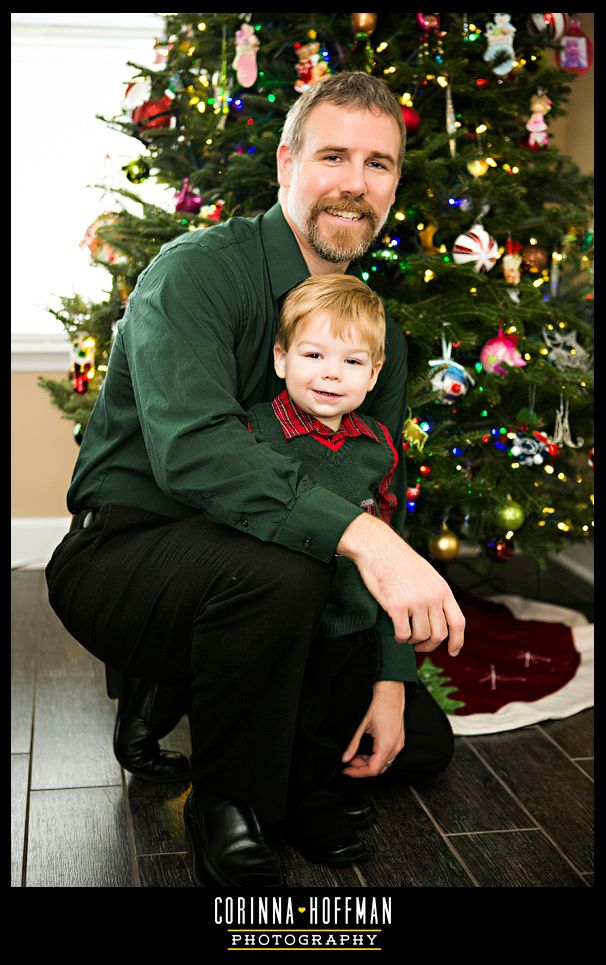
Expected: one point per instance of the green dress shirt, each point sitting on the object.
(192, 353)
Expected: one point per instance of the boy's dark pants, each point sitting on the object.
(170, 600)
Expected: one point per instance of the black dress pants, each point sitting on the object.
(174, 600)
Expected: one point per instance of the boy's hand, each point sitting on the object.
(384, 721)
(420, 603)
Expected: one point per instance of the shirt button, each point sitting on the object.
(244, 522)
(307, 542)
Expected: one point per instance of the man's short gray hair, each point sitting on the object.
(350, 89)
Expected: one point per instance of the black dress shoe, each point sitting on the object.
(146, 713)
(319, 829)
(228, 847)
(360, 814)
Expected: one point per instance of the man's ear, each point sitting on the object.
(284, 162)
(280, 361)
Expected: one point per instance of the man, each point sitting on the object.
(197, 552)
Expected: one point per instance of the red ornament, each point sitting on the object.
(411, 118)
(500, 550)
(153, 114)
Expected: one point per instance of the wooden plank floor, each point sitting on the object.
(512, 810)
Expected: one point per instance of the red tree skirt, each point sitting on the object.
(522, 662)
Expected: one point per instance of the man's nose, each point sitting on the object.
(353, 180)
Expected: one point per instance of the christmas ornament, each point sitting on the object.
(186, 200)
(576, 55)
(82, 365)
(445, 545)
(476, 246)
(136, 94)
(500, 550)
(311, 67)
(245, 61)
(426, 238)
(510, 515)
(553, 23)
(512, 259)
(499, 36)
(534, 257)
(413, 435)
(539, 106)
(565, 351)
(478, 167)
(590, 458)
(531, 450)
(364, 23)
(561, 430)
(411, 118)
(428, 21)
(101, 250)
(451, 122)
(212, 212)
(499, 351)
(137, 171)
(154, 115)
(449, 378)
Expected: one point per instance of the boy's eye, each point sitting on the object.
(312, 355)
(354, 362)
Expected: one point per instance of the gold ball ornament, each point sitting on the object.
(445, 545)
(364, 23)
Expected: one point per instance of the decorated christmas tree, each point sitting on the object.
(485, 262)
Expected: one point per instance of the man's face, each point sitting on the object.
(337, 192)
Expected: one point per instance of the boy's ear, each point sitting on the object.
(374, 375)
(280, 361)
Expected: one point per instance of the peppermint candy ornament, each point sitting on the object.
(554, 23)
(476, 246)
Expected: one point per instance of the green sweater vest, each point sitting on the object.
(354, 471)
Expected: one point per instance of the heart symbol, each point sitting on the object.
(301, 910)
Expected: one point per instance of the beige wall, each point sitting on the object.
(43, 448)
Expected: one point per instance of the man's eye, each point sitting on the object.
(332, 157)
(377, 164)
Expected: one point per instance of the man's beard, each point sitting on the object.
(340, 246)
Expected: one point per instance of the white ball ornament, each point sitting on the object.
(476, 246)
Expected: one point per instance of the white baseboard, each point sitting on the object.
(33, 540)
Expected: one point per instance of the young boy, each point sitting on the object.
(329, 349)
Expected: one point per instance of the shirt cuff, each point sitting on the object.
(317, 522)
(398, 661)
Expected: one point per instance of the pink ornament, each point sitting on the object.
(428, 21)
(500, 351)
(477, 246)
(245, 61)
(186, 201)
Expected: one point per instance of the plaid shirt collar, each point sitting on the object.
(295, 422)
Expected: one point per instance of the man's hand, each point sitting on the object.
(420, 603)
(384, 721)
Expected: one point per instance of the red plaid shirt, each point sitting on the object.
(295, 422)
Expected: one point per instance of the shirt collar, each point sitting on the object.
(295, 422)
(285, 261)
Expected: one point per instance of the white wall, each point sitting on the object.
(66, 68)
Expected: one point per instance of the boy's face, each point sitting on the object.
(327, 376)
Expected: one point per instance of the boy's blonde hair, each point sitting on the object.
(349, 302)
